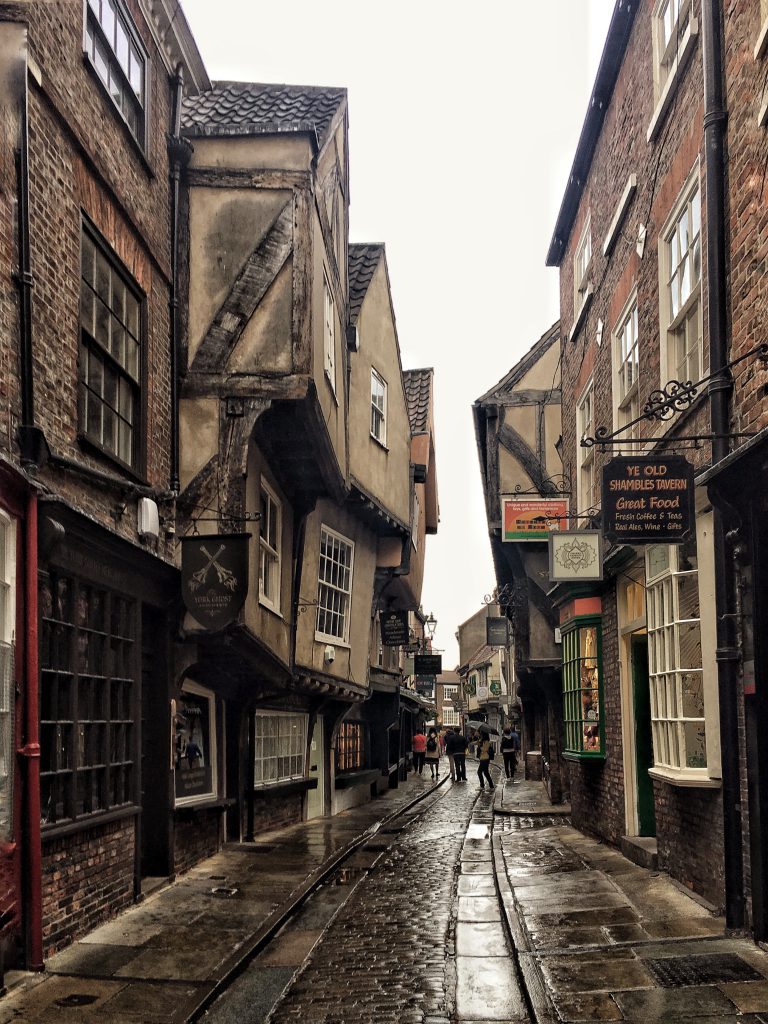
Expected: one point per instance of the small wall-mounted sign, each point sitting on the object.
(214, 577)
(648, 499)
(575, 555)
(496, 631)
(394, 628)
(428, 664)
(526, 520)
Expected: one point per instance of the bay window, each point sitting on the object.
(280, 747)
(583, 689)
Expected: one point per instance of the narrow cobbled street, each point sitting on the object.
(419, 940)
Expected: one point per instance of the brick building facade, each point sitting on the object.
(660, 244)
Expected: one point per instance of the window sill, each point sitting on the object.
(684, 52)
(71, 828)
(358, 778)
(135, 144)
(581, 316)
(761, 46)
(271, 608)
(204, 803)
(285, 788)
(762, 117)
(583, 758)
(333, 641)
(381, 444)
(691, 779)
(92, 448)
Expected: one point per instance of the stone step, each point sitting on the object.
(641, 850)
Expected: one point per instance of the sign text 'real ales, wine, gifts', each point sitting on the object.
(648, 499)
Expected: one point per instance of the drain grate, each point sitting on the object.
(700, 969)
(77, 999)
(224, 892)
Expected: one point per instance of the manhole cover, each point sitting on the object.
(224, 892)
(77, 999)
(701, 969)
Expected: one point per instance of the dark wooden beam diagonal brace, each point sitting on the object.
(522, 451)
(251, 285)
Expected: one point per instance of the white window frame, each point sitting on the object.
(582, 264)
(681, 306)
(415, 521)
(213, 757)
(339, 597)
(588, 497)
(329, 334)
(450, 691)
(626, 370)
(7, 685)
(451, 716)
(670, 54)
(266, 550)
(113, 48)
(378, 407)
(667, 624)
(297, 747)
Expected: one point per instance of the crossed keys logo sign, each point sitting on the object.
(225, 576)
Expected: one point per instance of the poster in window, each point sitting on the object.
(192, 746)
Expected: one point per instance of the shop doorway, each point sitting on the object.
(641, 707)
(316, 797)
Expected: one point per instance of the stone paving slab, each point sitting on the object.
(523, 797)
(590, 929)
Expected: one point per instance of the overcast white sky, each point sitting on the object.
(463, 124)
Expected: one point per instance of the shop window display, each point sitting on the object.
(582, 690)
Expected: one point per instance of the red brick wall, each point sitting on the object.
(689, 830)
(82, 159)
(198, 835)
(689, 821)
(276, 811)
(748, 209)
(86, 879)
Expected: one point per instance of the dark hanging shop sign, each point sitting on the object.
(394, 628)
(426, 685)
(214, 577)
(496, 631)
(428, 664)
(648, 499)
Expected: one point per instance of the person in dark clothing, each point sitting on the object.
(484, 757)
(456, 749)
(510, 745)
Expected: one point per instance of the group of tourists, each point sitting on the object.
(428, 747)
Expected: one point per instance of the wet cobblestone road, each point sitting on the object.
(389, 954)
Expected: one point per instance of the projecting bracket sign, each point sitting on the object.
(648, 499)
(428, 664)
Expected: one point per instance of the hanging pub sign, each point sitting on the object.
(428, 664)
(425, 685)
(648, 499)
(531, 520)
(394, 628)
(214, 577)
(575, 555)
(496, 631)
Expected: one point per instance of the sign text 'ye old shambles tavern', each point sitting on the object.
(648, 499)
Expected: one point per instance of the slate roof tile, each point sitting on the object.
(251, 108)
(363, 260)
(418, 394)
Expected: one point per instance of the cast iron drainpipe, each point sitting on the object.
(727, 653)
(30, 752)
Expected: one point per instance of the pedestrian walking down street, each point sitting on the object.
(419, 747)
(510, 745)
(433, 754)
(485, 753)
(456, 749)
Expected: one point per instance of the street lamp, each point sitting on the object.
(430, 624)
